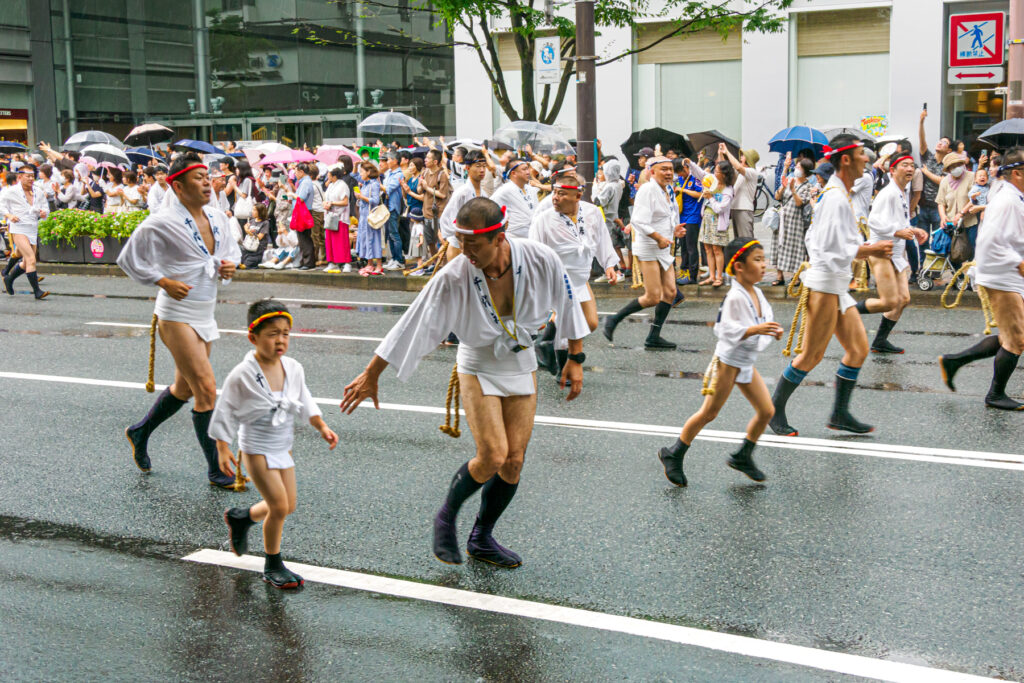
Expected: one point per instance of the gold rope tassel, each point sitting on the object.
(240, 478)
(452, 397)
(862, 276)
(710, 378)
(638, 276)
(428, 262)
(799, 315)
(151, 383)
(986, 303)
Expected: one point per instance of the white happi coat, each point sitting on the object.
(169, 245)
(891, 212)
(653, 212)
(1000, 245)
(460, 198)
(13, 201)
(519, 205)
(832, 242)
(263, 422)
(458, 300)
(735, 315)
(577, 242)
(155, 198)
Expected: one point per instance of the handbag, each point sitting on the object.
(332, 221)
(379, 217)
(243, 206)
(770, 219)
(251, 243)
(302, 219)
(960, 249)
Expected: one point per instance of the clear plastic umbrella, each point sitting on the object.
(83, 139)
(391, 123)
(540, 137)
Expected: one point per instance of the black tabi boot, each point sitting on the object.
(33, 279)
(446, 544)
(841, 418)
(138, 434)
(561, 357)
(16, 272)
(239, 522)
(1003, 366)
(950, 363)
(201, 424)
(881, 343)
(672, 459)
(11, 262)
(654, 340)
(546, 349)
(277, 575)
(612, 321)
(743, 461)
(494, 498)
(779, 423)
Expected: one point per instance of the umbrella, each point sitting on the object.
(103, 152)
(1004, 134)
(286, 157)
(196, 146)
(271, 147)
(868, 140)
(796, 139)
(391, 123)
(541, 137)
(89, 161)
(11, 146)
(142, 155)
(329, 154)
(149, 134)
(652, 137)
(498, 145)
(78, 141)
(711, 139)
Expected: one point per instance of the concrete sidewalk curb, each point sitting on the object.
(398, 283)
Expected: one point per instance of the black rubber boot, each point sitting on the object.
(881, 343)
(201, 425)
(277, 575)
(672, 459)
(743, 461)
(16, 272)
(239, 522)
(612, 321)
(446, 543)
(11, 262)
(1003, 366)
(841, 418)
(779, 424)
(33, 280)
(951, 363)
(654, 339)
(546, 349)
(483, 547)
(165, 405)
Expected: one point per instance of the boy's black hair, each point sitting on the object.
(735, 246)
(261, 308)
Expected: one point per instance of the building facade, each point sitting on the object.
(295, 70)
(836, 63)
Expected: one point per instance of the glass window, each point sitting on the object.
(840, 90)
(699, 96)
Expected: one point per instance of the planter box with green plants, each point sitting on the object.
(76, 236)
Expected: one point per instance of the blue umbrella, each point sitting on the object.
(197, 146)
(11, 146)
(142, 155)
(796, 138)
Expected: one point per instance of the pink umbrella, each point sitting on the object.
(89, 161)
(287, 156)
(329, 154)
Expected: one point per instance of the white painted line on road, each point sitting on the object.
(945, 456)
(823, 660)
(391, 303)
(245, 332)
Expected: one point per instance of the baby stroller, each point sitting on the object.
(935, 262)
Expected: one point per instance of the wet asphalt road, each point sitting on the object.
(892, 559)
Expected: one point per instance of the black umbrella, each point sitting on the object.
(869, 140)
(708, 140)
(1004, 134)
(148, 134)
(652, 137)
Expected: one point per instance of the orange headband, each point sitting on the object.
(183, 171)
(273, 314)
(740, 252)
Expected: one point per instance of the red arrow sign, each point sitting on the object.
(963, 75)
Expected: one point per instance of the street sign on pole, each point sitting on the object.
(978, 74)
(976, 39)
(547, 60)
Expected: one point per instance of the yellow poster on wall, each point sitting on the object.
(875, 125)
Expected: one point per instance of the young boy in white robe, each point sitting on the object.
(259, 403)
(745, 328)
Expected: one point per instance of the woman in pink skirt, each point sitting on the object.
(336, 208)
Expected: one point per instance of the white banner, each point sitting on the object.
(547, 61)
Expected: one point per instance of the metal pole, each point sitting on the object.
(1015, 61)
(202, 67)
(586, 91)
(360, 58)
(69, 71)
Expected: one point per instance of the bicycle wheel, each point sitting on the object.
(761, 201)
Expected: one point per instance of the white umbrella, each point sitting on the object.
(539, 136)
(78, 141)
(103, 152)
(271, 147)
(391, 123)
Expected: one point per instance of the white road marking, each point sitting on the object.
(824, 660)
(245, 332)
(945, 456)
(391, 303)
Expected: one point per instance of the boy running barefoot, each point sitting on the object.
(744, 328)
(259, 403)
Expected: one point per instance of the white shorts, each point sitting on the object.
(31, 233)
(830, 283)
(196, 314)
(278, 461)
(745, 374)
(505, 385)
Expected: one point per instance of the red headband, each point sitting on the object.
(569, 187)
(482, 230)
(893, 163)
(827, 151)
(171, 177)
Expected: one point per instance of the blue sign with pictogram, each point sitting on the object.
(976, 39)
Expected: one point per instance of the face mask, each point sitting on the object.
(957, 172)
(799, 173)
